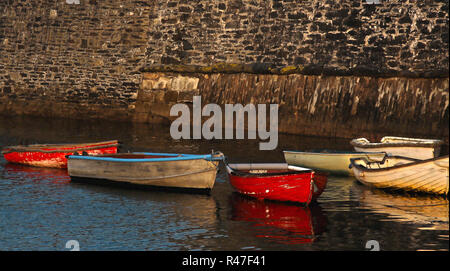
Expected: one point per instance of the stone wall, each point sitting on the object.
(349, 37)
(93, 59)
(335, 106)
(60, 59)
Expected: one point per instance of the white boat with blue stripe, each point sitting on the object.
(166, 170)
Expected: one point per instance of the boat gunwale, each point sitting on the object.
(413, 163)
(289, 171)
(78, 147)
(172, 157)
(335, 153)
(426, 143)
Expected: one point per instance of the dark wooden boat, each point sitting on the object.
(54, 155)
(276, 181)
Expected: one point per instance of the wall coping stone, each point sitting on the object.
(269, 68)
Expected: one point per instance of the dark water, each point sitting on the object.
(41, 210)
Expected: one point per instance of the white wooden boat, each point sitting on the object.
(403, 173)
(332, 162)
(401, 146)
(166, 170)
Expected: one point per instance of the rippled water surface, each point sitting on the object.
(40, 209)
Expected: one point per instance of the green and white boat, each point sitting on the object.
(333, 162)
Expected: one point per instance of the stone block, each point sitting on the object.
(184, 83)
(186, 96)
(161, 82)
(170, 96)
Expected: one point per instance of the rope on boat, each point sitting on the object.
(396, 206)
(59, 151)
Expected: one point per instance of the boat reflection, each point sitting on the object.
(280, 222)
(427, 211)
(36, 174)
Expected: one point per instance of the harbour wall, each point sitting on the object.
(336, 106)
(344, 68)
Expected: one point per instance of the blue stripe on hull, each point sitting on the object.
(175, 157)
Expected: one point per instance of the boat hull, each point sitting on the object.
(134, 186)
(291, 186)
(54, 156)
(186, 174)
(425, 176)
(334, 163)
(294, 188)
(320, 181)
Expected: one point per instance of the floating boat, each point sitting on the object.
(54, 155)
(276, 181)
(139, 170)
(403, 173)
(333, 162)
(401, 146)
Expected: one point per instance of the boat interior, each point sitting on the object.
(137, 156)
(387, 162)
(265, 168)
(326, 151)
(62, 146)
(395, 139)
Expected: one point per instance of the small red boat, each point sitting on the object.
(54, 155)
(280, 182)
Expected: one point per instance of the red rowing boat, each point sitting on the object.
(280, 182)
(54, 155)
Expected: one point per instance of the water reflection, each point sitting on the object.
(41, 209)
(340, 193)
(198, 208)
(17, 172)
(279, 222)
(168, 220)
(428, 212)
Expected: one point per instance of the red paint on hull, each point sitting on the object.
(296, 187)
(54, 156)
(320, 182)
